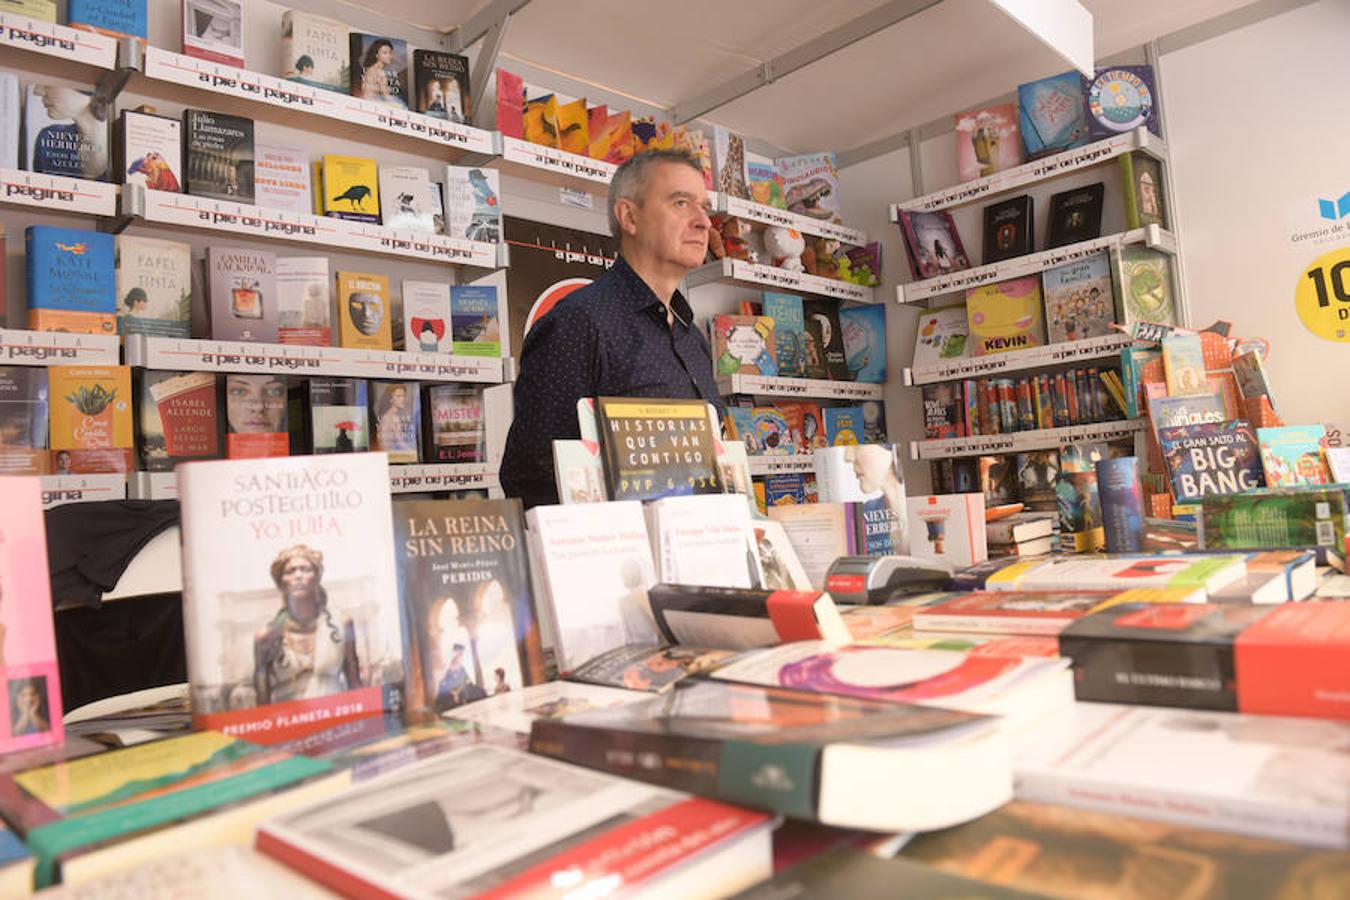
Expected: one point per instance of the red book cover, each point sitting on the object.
(511, 105)
(1295, 661)
(989, 417)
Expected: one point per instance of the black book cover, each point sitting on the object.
(1008, 229)
(329, 415)
(1075, 215)
(219, 155)
(442, 84)
(1159, 654)
(825, 356)
(656, 447)
(704, 600)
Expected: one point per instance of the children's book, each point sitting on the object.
(806, 424)
(941, 334)
(574, 128)
(988, 140)
(843, 425)
(1120, 99)
(774, 434)
(1143, 285)
(1075, 215)
(1211, 458)
(1189, 409)
(1142, 180)
(1005, 316)
(811, 185)
(825, 355)
(1292, 455)
(789, 332)
(764, 181)
(1079, 303)
(1184, 364)
(864, 329)
(948, 528)
(933, 244)
(729, 170)
(1052, 115)
(1008, 229)
(541, 120)
(744, 345)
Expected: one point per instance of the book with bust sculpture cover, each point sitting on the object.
(292, 628)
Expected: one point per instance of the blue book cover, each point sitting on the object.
(789, 331)
(72, 270)
(112, 17)
(1120, 99)
(864, 330)
(1052, 114)
(843, 425)
(1122, 501)
(741, 427)
(782, 490)
(66, 132)
(1211, 458)
(474, 325)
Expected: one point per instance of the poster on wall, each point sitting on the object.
(1320, 241)
(548, 262)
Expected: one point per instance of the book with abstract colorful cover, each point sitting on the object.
(91, 427)
(293, 626)
(178, 418)
(474, 321)
(1292, 455)
(806, 424)
(729, 169)
(744, 345)
(1005, 316)
(304, 304)
(350, 189)
(987, 141)
(864, 332)
(1078, 299)
(811, 185)
(511, 105)
(1075, 215)
(1009, 229)
(1052, 115)
(574, 128)
(941, 334)
(71, 280)
(154, 286)
(784, 489)
(85, 817)
(378, 69)
(24, 411)
(775, 435)
(789, 332)
(27, 642)
(114, 18)
(426, 316)
(1143, 282)
(1211, 458)
(214, 30)
(764, 181)
(613, 143)
(1142, 179)
(541, 119)
(843, 425)
(314, 50)
(1120, 99)
(441, 85)
(1184, 365)
(932, 244)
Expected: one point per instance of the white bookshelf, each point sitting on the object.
(760, 276)
(57, 348)
(56, 193)
(772, 215)
(1018, 360)
(59, 41)
(58, 490)
(553, 166)
(402, 479)
(806, 388)
(1021, 441)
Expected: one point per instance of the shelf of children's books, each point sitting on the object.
(260, 222)
(782, 465)
(1037, 170)
(58, 490)
(57, 348)
(56, 193)
(552, 166)
(441, 477)
(1019, 441)
(50, 39)
(255, 87)
(1018, 360)
(813, 388)
(187, 355)
(758, 275)
(772, 215)
(954, 282)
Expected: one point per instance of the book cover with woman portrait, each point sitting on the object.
(288, 582)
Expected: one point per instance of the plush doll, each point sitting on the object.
(827, 257)
(736, 240)
(783, 247)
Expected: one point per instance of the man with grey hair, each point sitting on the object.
(630, 333)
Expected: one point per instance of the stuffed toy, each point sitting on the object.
(736, 240)
(827, 257)
(783, 247)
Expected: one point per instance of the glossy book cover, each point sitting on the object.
(24, 411)
(1052, 114)
(178, 418)
(744, 345)
(154, 287)
(988, 140)
(657, 448)
(1211, 458)
(71, 280)
(1079, 303)
(1005, 316)
(1292, 455)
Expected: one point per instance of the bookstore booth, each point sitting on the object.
(516, 448)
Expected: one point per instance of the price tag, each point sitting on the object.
(1322, 297)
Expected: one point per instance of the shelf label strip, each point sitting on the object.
(58, 193)
(60, 41)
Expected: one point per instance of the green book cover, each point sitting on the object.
(1141, 180)
(1274, 519)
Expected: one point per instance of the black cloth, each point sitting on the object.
(607, 339)
(90, 545)
(124, 646)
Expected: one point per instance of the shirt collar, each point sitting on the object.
(643, 297)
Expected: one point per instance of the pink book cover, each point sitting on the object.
(510, 104)
(32, 683)
(987, 141)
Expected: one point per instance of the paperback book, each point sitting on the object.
(243, 293)
(948, 528)
(1307, 517)
(1292, 455)
(441, 82)
(454, 431)
(71, 277)
(1184, 364)
(219, 155)
(1008, 229)
(149, 151)
(703, 540)
(574, 128)
(256, 416)
(729, 171)
(764, 181)
(214, 30)
(843, 425)
(66, 132)
(114, 18)
(942, 408)
(321, 643)
(396, 420)
(789, 332)
(825, 353)
(1078, 299)
(473, 208)
(426, 316)
(744, 345)
(178, 418)
(740, 619)
(281, 178)
(657, 448)
(988, 140)
(1005, 316)
(335, 416)
(304, 301)
(1192, 409)
(1211, 458)
(870, 475)
(932, 243)
(11, 114)
(154, 287)
(378, 68)
(864, 333)
(1052, 115)
(24, 410)
(91, 419)
(349, 188)
(363, 311)
(405, 199)
(314, 50)
(941, 334)
(1075, 215)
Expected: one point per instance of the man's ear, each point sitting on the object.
(625, 211)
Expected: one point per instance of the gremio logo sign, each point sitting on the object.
(1334, 209)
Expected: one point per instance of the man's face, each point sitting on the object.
(672, 220)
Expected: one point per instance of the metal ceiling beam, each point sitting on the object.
(482, 22)
(816, 49)
(483, 115)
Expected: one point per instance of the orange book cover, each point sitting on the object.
(541, 121)
(90, 419)
(363, 311)
(574, 130)
(72, 321)
(616, 142)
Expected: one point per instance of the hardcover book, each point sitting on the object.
(1142, 179)
(1079, 303)
(214, 30)
(91, 419)
(314, 50)
(825, 353)
(396, 420)
(71, 280)
(243, 293)
(304, 304)
(256, 416)
(773, 434)
(322, 642)
(789, 332)
(363, 311)
(473, 208)
(728, 157)
(988, 140)
(541, 119)
(657, 448)
(1008, 229)
(378, 68)
(941, 334)
(335, 416)
(811, 185)
(178, 418)
(932, 244)
(864, 332)
(574, 128)
(942, 411)
(1005, 316)
(281, 178)
(804, 422)
(1292, 455)
(475, 325)
(426, 316)
(948, 528)
(1075, 215)
(455, 423)
(1143, 283)
(1184, 365)
(1120, 99)
(149, 151)
(24, 411)
(66, 132)
(219, 155)
(744, 345)
(27, 640)
(405, 199)
(1192, 409)
(843, 425)
(114, 18)
(441, 82)
(465, 589)
(154, 287)
(784, 489)
(764, 181)
(1052, 116)
(350, 189)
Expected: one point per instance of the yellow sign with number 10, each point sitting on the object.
(1323, 296)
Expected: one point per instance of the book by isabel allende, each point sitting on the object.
(292, 628)
(178, 418)
(465, 588)
(220, 154)
(154, 286)
(657, 448)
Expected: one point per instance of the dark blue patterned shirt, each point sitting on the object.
(607, 339)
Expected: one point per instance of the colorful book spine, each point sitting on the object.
(1122, 500)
